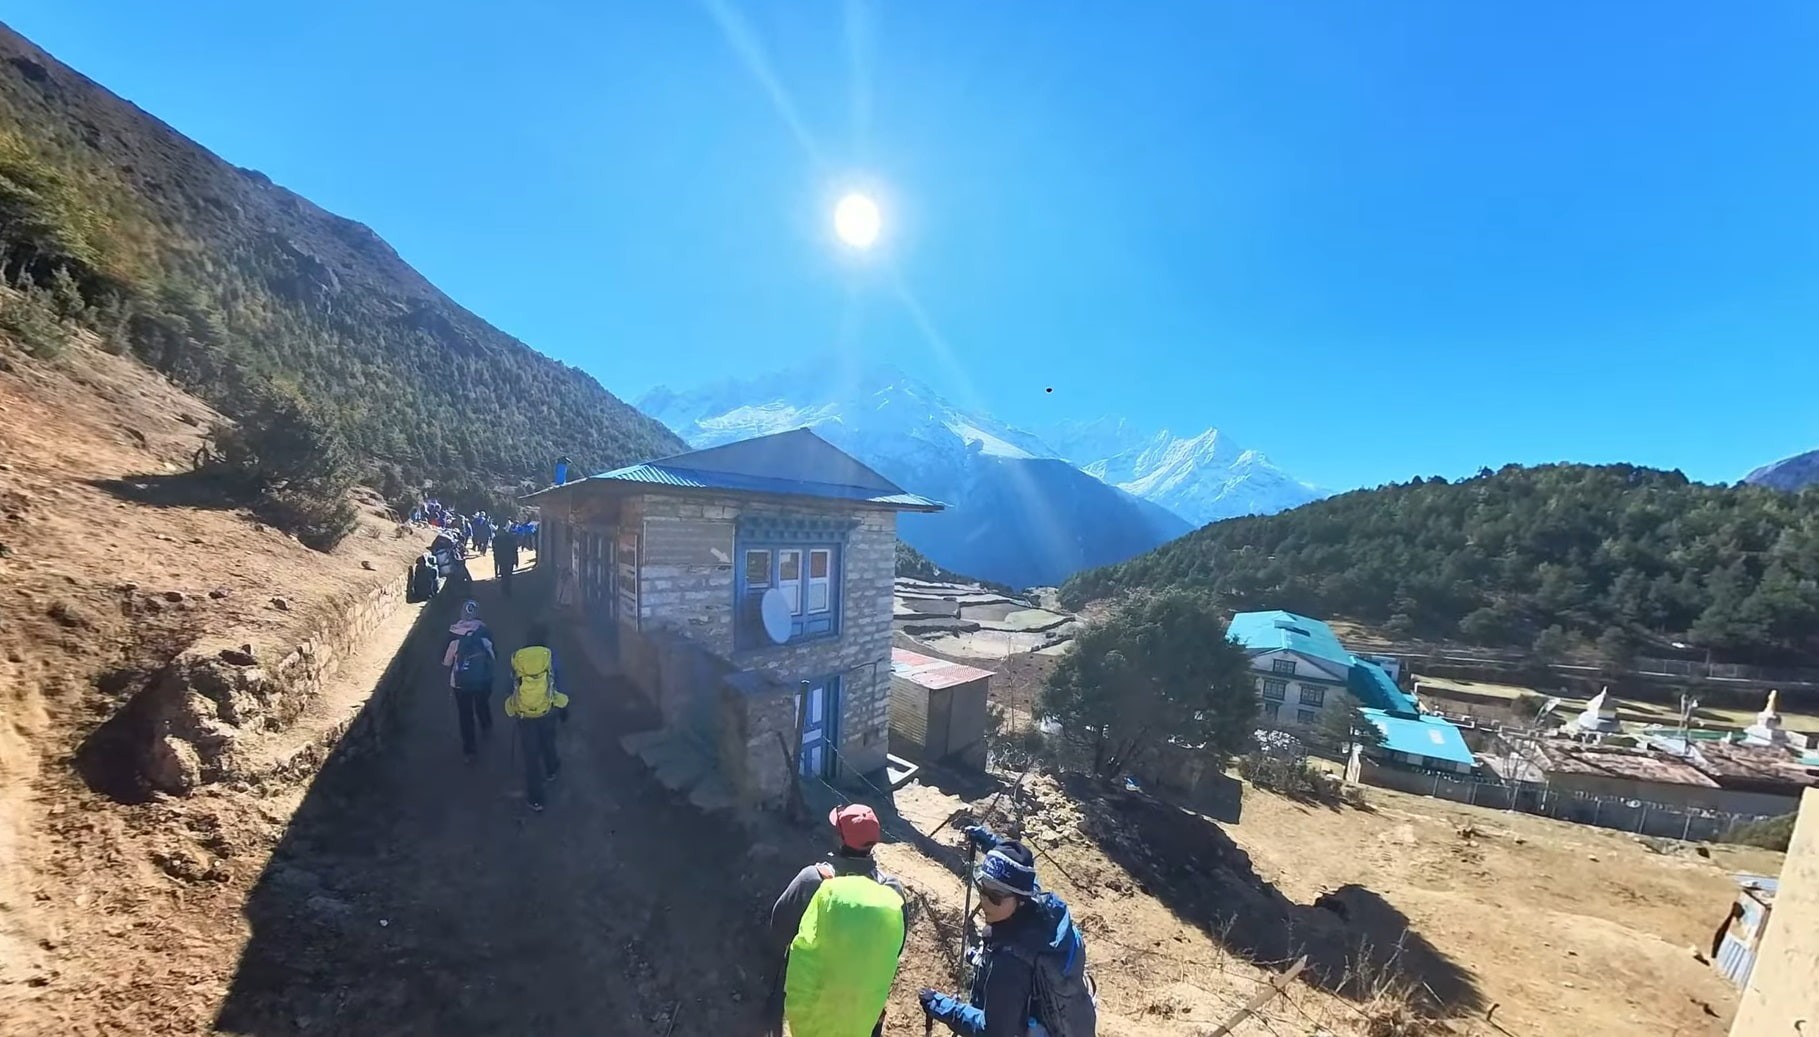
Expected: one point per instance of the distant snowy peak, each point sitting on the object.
(1203, 477)
(902, 427)
(871, 403)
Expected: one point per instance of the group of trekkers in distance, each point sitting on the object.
(842, 927)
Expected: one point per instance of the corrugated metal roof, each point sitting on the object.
(1428, 736)
(789, 464)
(1370, 684)
(1610, 762)
(1285, 631)
(934, 674)
(649, 474)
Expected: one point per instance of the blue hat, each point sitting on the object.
(470, 608)
(1009, 868)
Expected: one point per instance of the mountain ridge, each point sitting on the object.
(225, 281)
(1530, 557)
(1018, 514)
(1203, 477)
(1790, 473)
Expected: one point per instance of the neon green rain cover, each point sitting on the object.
(843, 959)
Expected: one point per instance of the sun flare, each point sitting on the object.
(857, 221)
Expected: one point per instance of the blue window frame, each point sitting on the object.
(802, 555)
(808, 573)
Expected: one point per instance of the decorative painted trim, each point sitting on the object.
(790, 529)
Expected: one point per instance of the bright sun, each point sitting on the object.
(857, 220)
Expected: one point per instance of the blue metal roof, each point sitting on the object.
(796, 463)
(1285, 631)
(657, 474)
(1428, 736)
(1370, 684)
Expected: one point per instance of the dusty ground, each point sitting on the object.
(109, 564)
(1567, 930)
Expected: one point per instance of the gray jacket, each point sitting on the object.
(786, 916)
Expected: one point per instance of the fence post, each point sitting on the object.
(1436, 791)
(1686, 829)
(1472, 797)
(1642, 822)
(1597, 806)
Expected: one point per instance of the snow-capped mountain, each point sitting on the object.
(1017, 512)
(1202, 478)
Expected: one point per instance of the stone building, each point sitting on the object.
(746, 589)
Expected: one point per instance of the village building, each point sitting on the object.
(1303, 671)
(938, 709)
(746, 590)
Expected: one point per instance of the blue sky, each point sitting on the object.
(1371, 240)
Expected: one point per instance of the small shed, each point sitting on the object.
(937, 709)
(1738, 936)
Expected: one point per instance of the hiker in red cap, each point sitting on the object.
(857, 829)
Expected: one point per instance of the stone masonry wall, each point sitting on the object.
(686, 583)
(210, 702)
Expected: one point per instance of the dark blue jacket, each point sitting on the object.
(999, 1004)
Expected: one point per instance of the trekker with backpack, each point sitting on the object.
(1029, 973)
(536, 693)
(841, 926)
(505, 558)
(469, 658)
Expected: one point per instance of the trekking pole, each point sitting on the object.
(966, 919)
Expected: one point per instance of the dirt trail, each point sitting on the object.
(415, 894)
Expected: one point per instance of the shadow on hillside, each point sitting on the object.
(175, 490)
(1356, 942)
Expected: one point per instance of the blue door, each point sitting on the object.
(816, 709)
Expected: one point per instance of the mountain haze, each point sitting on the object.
(229, 283)
(1017, 514)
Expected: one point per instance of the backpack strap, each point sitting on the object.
(825, 870)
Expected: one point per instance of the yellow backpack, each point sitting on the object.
(535, 691)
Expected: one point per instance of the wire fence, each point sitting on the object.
(1643, 817)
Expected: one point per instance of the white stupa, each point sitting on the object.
(1599, 715)
(1767, 728)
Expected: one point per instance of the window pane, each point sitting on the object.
(817, 597)
(1307, 716)
(757, 568)
(789, 565)
(792, 593)
(817, 564)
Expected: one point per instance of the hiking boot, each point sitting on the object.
(536, 808)
(550, 778)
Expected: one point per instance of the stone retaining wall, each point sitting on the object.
(203, 717)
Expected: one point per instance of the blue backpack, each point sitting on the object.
(473, 663)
